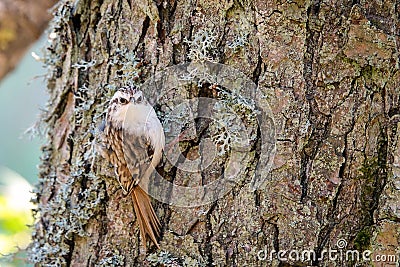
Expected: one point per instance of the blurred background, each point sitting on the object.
(22, 95)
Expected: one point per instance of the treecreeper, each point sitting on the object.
(133, 141)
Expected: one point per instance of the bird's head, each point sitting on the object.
(122, 100)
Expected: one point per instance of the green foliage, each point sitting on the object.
(14, 232)
(12, 221)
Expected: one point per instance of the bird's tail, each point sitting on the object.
(146, 217)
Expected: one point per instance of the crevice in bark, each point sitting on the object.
(257, 70)
(381, 178)
(315, 116)
(333, 221)
(59, 107)
(257, 149)
(311, 43)
(393, 111)
(71, 245)
(102, 215)
(311, 149)
(221, 43)
(76, 22)
(161, 27)
(70, 144)
(375, 178)
(145, 27)
(166, 12)
(189, 37)
(207, 245)
(192, 227)
(397, 28)
(201, 126)
(84, 35)
(276, 236)
(80, 22)
(257, 198)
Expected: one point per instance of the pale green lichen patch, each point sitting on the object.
(186, 256)
(239, 42)
(166, 259)
(127, 67)
(163, 258)
(115, 259)
(203, 45)
(233, 116)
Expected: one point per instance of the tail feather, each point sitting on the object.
(146, 217)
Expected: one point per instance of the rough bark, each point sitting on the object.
(21, 23)
(330, 74)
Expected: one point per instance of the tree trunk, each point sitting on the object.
(314, 87)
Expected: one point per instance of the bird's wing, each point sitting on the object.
(138, 153)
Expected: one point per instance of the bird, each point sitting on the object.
(133, 138)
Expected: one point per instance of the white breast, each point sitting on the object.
(142, 120)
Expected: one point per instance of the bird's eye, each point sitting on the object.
(123, 101)
(139, 99)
